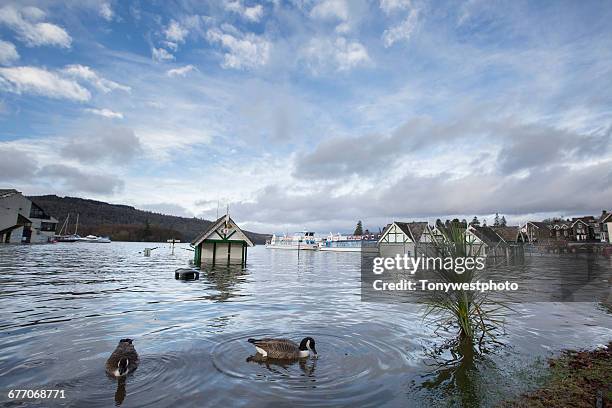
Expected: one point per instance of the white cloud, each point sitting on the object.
(322, 53)
(175, 32)
(389, 6)
(107, 113)
(182, 71)
(106, 12)
(41, 82)
(402, 31)
(243, 50)
(331, 9)
(89, 75)
(160, 55)
(26, 23)
(254, 13)
(8, 53)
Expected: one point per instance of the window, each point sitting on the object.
(47, 226)
(37, 212)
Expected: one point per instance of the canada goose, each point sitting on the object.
(284, 349)
(124, 359)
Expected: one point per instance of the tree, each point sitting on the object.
(475, 221)
(484, 222)
(147, 230)
(496, 221)
(358, 228)
(503, 221)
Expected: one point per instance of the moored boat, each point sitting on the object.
(341, 243)
(63, 235)
(305, 241)
(95, 239)
(346, 243)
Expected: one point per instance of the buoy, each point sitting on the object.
(186, 274)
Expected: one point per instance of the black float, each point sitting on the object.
(186, 274)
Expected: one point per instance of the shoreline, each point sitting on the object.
(580, 379)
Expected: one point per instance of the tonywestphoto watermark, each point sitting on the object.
(407, 278)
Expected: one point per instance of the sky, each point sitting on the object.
(311, 114)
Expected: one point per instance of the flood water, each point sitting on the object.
(65, 306)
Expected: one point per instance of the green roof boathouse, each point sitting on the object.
(223, 243)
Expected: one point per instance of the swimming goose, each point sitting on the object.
(124, 359)
(284, 349)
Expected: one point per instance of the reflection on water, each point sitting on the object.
(65, 306)
(280, 367)
(120, 393)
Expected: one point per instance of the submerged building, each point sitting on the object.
(411, 238)
(23, 221)
(223, 243)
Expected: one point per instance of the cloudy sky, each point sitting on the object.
(311, 114)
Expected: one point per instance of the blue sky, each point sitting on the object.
(311, 113)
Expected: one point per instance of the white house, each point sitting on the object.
(409, 238)
(22, 221)
(484, 241)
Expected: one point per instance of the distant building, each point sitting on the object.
(23, 221)
(509, 233)
(605, 226)
(534, 231)
(223, 243)
(561, 230)
(484, 241)
(582, 229)
(409, 238)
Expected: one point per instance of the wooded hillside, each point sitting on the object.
(123, 222)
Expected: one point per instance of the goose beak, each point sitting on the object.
(314, 352)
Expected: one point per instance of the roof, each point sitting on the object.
(605, 217)
(539, 224)
(445, 227)
(216, 225)
(413, 229)
(7, 192)
(486, 234)
(508, 233)
(580, 220)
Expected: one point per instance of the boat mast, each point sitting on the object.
(64, 228)
(76, 226)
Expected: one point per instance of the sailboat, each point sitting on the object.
(63, 235)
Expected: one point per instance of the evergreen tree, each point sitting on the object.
(503, 221)
(147, 230)
(496, 221)
(358, 229)
(475, 221)
(484, 222)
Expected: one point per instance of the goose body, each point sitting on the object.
(124, 359)
(284, 349)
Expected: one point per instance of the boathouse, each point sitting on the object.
(223, 243)
(483, 241)
(23, 221)
(409, 238)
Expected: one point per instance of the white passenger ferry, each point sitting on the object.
(301, 241)
(346, 243)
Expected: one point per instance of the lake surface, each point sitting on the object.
(65, 306)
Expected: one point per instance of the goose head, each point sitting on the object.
(308, 344)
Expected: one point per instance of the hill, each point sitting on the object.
(123, 222)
